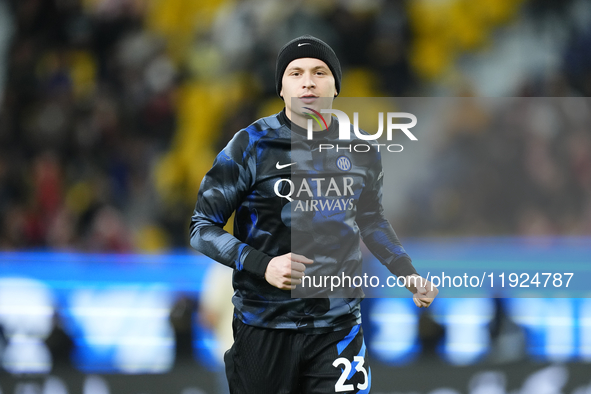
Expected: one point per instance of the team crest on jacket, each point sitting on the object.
(343, 163)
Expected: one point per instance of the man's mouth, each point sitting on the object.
(308, 98)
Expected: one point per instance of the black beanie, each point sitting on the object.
(307, 46)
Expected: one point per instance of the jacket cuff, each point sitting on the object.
(256, 262)
(402, 266)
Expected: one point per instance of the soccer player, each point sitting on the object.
(290, 197)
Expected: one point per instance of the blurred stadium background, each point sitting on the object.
(111, 111)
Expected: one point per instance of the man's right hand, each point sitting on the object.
(286, 271)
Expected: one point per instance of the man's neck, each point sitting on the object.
(302, 120)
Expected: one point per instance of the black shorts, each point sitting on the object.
(276, 361)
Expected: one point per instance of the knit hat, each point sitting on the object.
(307, 46)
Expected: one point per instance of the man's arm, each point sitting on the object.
(376, 232)
(382, 241)
(222, 190)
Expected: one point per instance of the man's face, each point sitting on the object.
(311, 82)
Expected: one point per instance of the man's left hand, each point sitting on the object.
(423, 291)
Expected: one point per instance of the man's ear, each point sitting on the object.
(281, 92)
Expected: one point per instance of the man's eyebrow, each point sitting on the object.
(294, 68)
(298, 68)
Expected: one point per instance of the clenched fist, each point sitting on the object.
(423, 291)
(286, 271)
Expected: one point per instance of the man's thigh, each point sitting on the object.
(262, 361)
(336, 363)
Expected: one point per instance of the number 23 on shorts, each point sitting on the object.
(341, 385)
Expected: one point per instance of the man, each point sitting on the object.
(285, 344)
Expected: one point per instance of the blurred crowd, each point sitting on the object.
(509, 166)
(112, 111)
(88, 106)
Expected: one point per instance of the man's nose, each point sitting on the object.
(308, 81)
